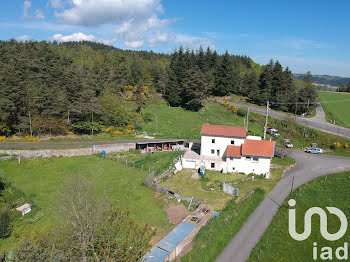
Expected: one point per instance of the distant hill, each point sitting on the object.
(326, 79)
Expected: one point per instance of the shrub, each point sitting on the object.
(2, 138)
(5, 220)
(336, 145)
(4, 130)
(346, 145)
(30, 138)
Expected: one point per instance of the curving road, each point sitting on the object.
(307, 168)
(318, 121)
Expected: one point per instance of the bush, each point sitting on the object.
(336, 145)
(5, 221)
(346, 145)
(2, 138)
(4, 130)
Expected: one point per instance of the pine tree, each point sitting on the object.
(195, 88)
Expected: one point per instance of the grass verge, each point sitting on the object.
(277, 245)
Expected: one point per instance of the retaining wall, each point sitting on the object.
(96, 149)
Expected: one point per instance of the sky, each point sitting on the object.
(303, 35)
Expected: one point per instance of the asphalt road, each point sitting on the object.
(318, 122)
(307, 168)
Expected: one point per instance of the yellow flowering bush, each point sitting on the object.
(2, 138)
(30, 138)
(336, 145)
(346, 145)
(231, 107)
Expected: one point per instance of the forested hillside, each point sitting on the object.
(86, 87)
(326, 79)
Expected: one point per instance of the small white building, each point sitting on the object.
(24, 209)
(227, 149)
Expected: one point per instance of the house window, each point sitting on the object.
(247, 158)
(213, 141)
(213, 151)
(212, 165)
(255, 159)
(218, 152)
(232, 142)
(233, 168)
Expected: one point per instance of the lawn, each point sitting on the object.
(277, 245)
(189, 184)
(42, 179)
(336, 107)
(176, 122)
(158, 162)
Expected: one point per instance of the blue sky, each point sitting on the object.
(304, 35)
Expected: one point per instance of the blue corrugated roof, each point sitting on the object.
(169, 243)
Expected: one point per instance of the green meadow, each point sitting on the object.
(336, 107)
(277, 245)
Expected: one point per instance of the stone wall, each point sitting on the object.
(96, 149)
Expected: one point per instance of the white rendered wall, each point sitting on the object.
(221, 144)
(243, 165)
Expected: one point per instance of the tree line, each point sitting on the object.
(86, 87)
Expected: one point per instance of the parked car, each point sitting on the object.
(315, 150)
(273, 132)
(288, 144)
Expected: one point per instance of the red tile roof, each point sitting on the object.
(228, 131)
(234, 151)
(258, 148)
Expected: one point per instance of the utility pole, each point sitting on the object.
(267, 116)
(308, 103)
(247, 118)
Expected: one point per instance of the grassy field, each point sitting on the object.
(277, 245)
(42, 179)
(157, 162)
(189, 184)
(336, 107)
(180, 123)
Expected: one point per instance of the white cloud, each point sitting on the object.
(107, 42)
(56, 3)
(159, 38)
(98, 12)
(134, 44)
(26, 6)
(133, 29)
(39, 14)
(77, 37)
(193, 42)
(23, 38)
(303, 43)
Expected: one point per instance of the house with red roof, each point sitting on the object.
(229, 149)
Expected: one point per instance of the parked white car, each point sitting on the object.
(314, 150)
(273, 132)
